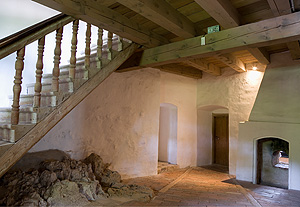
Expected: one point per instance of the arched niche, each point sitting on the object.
(167, 145)
(272, 167)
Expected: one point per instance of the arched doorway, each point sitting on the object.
(273, 162)
(167, 145)
(212, 124)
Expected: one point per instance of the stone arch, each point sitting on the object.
(167, 144)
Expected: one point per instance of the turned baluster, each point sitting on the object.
(120, 43)
(109, 45)
(39, 73)
(19, 66)
(87, 46)
(73, 50)
(57, 53)
(99, 48)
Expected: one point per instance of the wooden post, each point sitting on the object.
(109, 45)
(87, 46)
(57, 53)
(19, 66)
(120, 43)
(73, 50)
(39, 73)
(99, 48)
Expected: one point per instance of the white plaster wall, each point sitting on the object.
(182, 92)
(234, 91)
(204, 145)
(119, 121)
(250, 132)
(167, 144)
(278, 99)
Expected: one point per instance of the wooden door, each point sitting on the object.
(221, 139)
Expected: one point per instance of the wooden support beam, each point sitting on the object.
(232, 61)
(277, 30)
(103, 17)
(163, 14)
(203, 65)
(282, 7)
(182, 70)
(228, 17)
(14, 153)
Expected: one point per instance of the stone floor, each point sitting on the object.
(210, 186)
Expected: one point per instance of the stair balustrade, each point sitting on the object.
(50, 90)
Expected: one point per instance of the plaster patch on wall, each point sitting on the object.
(111, 122)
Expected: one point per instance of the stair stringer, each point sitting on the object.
(17, 150)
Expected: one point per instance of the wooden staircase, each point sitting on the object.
(54, 95)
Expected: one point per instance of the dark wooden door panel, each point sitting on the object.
(221, 140)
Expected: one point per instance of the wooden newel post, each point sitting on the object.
(19, 66)
(87, 46)
(57, 53)
(99, 48)
(73, 50)
(39, 73)
(109, 45)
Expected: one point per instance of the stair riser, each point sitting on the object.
(63, 86)
(7, 134)
(45, 101)
(79, 73)
(25, 117)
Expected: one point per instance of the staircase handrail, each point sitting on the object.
(32, 33)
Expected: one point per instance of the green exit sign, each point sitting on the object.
(213, 29)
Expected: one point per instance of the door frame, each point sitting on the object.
(213, 135)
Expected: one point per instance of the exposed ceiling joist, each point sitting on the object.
(277, 30)
(163, 14)
(232, 61)
(203, 65)
(101, 16)
(222, 11)
(282, 7)
(182, 70)
(228, 17)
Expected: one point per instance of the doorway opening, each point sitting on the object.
(167, 144)
(220, 139)
(273, 162)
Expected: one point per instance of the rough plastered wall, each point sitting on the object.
(119, 121)
(275, 114)
(182, 92)
(234, 91)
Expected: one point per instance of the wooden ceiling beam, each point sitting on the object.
(108, 19)
(228, 17)
(282, 7)
(203, 65)
(164, 15)
(277, 30)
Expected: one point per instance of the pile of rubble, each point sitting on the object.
(67, 183)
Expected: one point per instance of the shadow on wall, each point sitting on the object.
(167, 145)
(205, 132)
